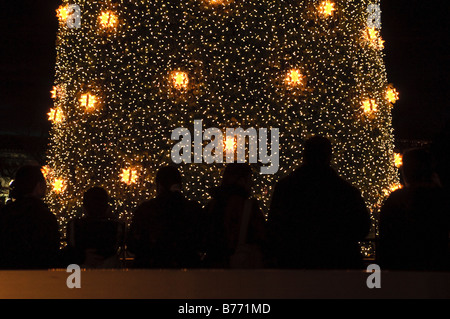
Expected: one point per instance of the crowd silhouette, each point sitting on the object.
(316, 221)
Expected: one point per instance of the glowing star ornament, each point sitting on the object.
(392, 188)
(58, 185)
(45, 171)
(395, 187)
(180, 79)
(88, 101)
(129, 176)
(230, 144)
(392, 95)
(62, 13)
(58, 92)
(55, 115)
(70, 15)
(108, 20)
(398, 160)
(326, 8)
(373, 37)
(54, 92)
(369, 106)
(294, 78)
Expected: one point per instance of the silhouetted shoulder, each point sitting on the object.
(146, 207)
(287, 182)
(396, 196)
(31, 207)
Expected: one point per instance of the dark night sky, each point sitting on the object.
(416, 34)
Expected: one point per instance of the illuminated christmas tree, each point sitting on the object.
(129, 72)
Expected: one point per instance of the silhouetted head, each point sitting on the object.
(29, 181)
(317, 151)
(238, 175)
(417, 167)
(168, 179)
(96, 202)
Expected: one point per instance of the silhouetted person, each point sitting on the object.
(165, 231)
(226, 212)
(316, 217)
(29, 235)
(95, 239)
(414, 220)
(440, 148)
